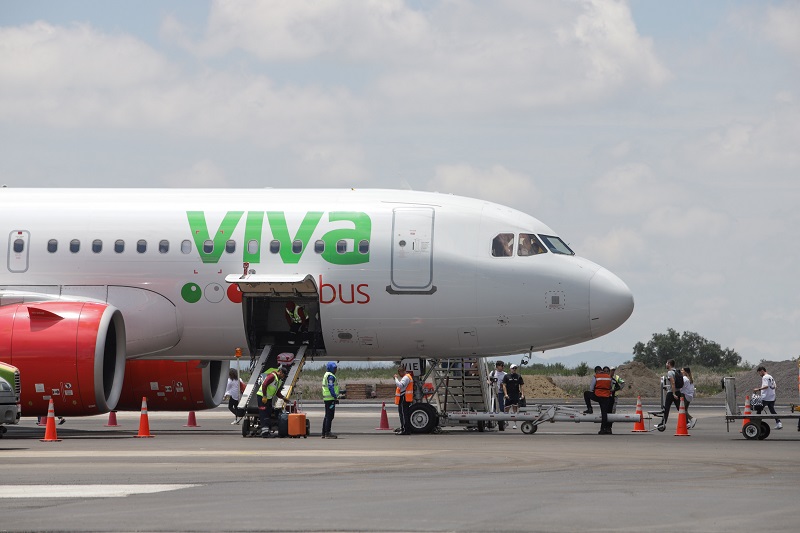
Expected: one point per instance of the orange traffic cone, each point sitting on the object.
(112, 420)
(681, 430)
(638, 426)
(384, 418)
(192, 422)
(50, 430)
(144, 424)
(747, 413)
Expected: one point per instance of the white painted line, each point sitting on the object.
(83, 491)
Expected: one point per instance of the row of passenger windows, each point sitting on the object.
(186, 246)
(528, 244)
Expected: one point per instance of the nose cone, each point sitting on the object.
(610, 303)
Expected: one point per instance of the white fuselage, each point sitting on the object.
(398, 273)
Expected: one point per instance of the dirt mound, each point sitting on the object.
(543, 387)
(786, 380)
(639, 381)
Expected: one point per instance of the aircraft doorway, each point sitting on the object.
(18, 241)
(412, 251)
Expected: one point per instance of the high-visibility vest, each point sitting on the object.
(409, 392)
(273, 387)
(294, 314)
(602, 385)
(326, 392)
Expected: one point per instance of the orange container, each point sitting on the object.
(297, 424)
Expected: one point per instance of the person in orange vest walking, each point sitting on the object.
(403, 398)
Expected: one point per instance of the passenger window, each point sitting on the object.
(208, 246)
(119, 246)
(52, 246)
(341, 246)
(230, 246)
(274, 246)
(186, 246)
(363, 247)
(163, 246)
(97, 246)
(297, 246)
(529, 245)
(19, 245)
(141, 246)
(74, 246)
(319, 246)
(556, 245)
(252, 246)
(502, 245)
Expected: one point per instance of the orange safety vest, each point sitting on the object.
(602, 385)
(409, 392)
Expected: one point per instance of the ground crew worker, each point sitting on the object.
(270, 387)
(330, 395)
(403, 398)
(617, 384)
(297, 319)
(600, 392)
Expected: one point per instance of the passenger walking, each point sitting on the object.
(767, 390)
(513, 391)
(330, 396)
(673, 396)
(403, 398)
(234, 392)
(687, 391)
(496, 385)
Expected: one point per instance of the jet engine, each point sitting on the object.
(173, 385)
(70, 352)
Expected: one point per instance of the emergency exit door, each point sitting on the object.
(412, 251)
(18, 250)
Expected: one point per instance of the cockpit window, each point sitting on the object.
(502, 245)
(556, 245)
(529, 245)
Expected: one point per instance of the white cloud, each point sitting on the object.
(629, 189)
(781, 25)
(673, 221)
(336, 165)
(618, 247)
(497, 184)
(203, 174)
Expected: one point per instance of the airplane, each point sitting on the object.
(109, 295)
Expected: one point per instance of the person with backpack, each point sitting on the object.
(675, 380)
(767, 390)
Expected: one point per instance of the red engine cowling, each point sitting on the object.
(173, 385)
(72, 352)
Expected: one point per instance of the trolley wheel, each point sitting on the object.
(751, 430)
(423, 418)
(529, 428)
(481, 426)
(764, 433)
(661, 427)
(246, 427)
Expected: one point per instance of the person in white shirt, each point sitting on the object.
(767, 390)
(687, 391)
(233, 391)
(496, 383)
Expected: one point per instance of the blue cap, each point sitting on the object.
(331, 366)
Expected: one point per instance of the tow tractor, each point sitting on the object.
(9, 396)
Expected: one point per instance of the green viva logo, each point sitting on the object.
(254, 227)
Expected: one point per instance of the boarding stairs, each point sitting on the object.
(461, 385)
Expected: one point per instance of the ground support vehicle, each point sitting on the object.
(757, 427)
(10, 409)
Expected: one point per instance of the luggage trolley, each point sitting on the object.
(757, 427)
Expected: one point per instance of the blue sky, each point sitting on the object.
(659, 138)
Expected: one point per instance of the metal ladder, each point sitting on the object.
(257, 369)
(461, 385)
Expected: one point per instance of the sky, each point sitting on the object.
(660, 139)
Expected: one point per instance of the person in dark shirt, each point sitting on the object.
(513, 391)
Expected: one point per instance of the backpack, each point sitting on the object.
(678, 379)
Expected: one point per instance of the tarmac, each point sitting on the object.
(564, 477)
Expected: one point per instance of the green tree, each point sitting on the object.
(582, 369)
(686, 349)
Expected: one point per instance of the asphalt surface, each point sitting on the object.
(564, 477)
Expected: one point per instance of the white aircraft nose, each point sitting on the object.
(610, 303)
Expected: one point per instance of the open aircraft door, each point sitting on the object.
(264, 304)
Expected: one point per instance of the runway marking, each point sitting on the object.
(84, 491)
(51, 454)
